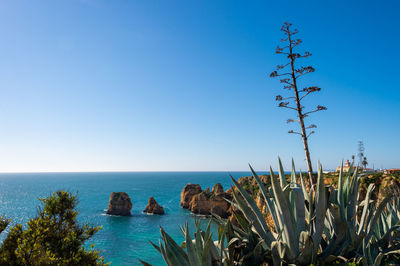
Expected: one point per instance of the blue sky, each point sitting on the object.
(95, 85)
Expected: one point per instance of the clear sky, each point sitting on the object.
(96, 85)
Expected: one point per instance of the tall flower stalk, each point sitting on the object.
(290, 75)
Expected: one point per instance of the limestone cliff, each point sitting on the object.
(206, 202)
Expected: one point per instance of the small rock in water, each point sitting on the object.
(119, 204)
(153, 207)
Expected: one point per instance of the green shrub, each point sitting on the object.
(54, 237)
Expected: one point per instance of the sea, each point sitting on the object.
(122, 240)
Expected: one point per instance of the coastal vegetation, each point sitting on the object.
(328, 225)
(53, 237)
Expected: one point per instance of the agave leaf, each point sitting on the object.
(278, 251)
(392, 216)
(221, 243)
(198, 239)
(320, 210)
(263, 227)
(346, 185)
(281, 174)
(165, 255)
(286, 191)
(155, 246)
(266, 198)
(329, 230)
(378, 259)
(191, 250)
(299, 210)
(339, 229)
(174, 252)
(144, 263)
(340, 196)
(389, 217)
(242, 222)
(386, 237)
(223, 222)
(303, 187)
(293, 175)
(232, 241)
(352, 198)
(286, 219)
(208, 229)
(384, 223)
(250, 213)
(378, 230)
(395, 251)
(365, 208)
(206, 259)
(305, 242)
(214, 250)
(373, 221)
(308, 197)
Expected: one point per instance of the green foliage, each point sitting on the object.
(201, 251)
(318, 226)
(234, 246)
(54, 237)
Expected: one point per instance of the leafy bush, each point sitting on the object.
(54, 237)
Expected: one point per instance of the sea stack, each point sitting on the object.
(153, 207)
(119, 204)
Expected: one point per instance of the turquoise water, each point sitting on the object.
(122, 239)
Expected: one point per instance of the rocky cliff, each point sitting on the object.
(206, 202)
(187, 194)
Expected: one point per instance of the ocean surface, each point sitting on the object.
(122, 240)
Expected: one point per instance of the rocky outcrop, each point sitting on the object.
(119, 204)
(218, 189)
(209, 201)
(206, 202)
(153, 207)
(261, 202)
(187, 194)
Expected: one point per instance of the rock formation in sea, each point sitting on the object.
(206, 202)
(119, 204)
(187, 194)
(153, 207)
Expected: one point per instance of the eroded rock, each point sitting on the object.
(153, 207)
(206, 202)
(119, 204)
(187, 194)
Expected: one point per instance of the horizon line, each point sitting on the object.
(136, 171)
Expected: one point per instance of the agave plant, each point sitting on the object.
(386, 238)
(298, 216)
(361, 239)
(233, 246)
(319, 225)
